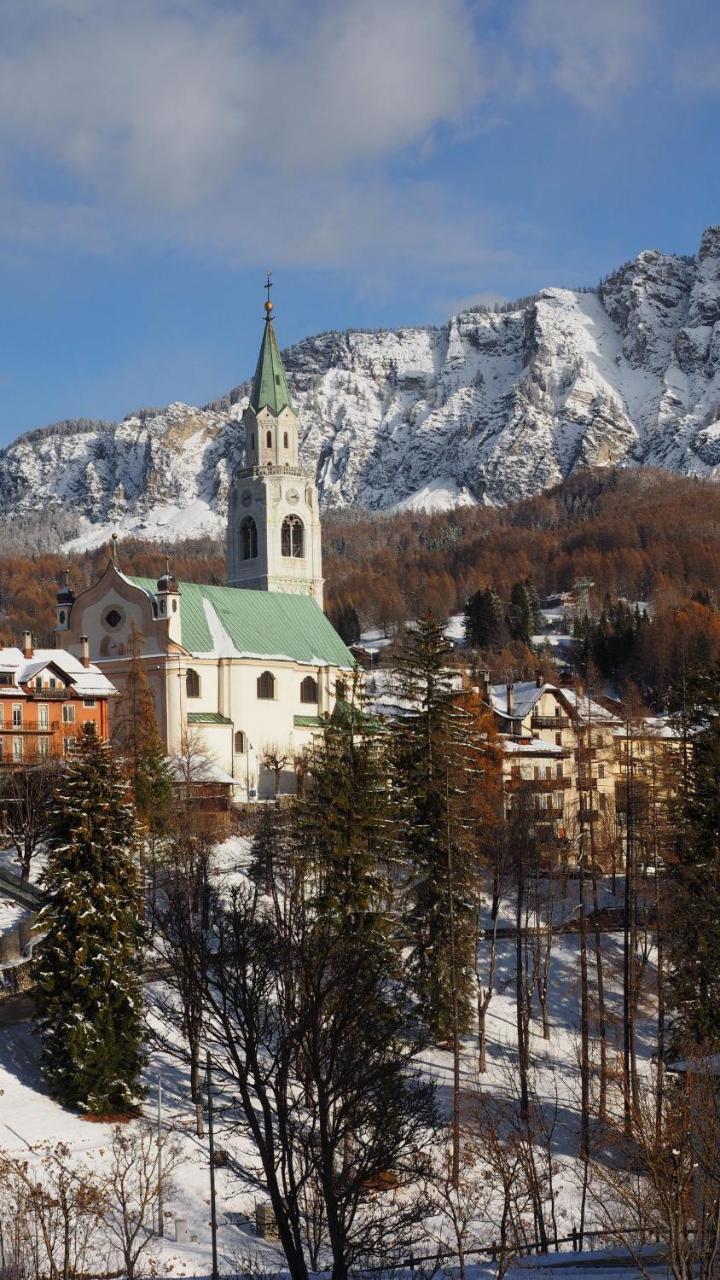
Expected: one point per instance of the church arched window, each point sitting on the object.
(285, 439)
(192, 684)
(308, 690)
(240, 743)
(266, 685)
(292, 537)
(248, 538)
(268, 439)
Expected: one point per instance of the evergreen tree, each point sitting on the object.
(89, 984)
(440, 765)
(137, 739)
(523, 613)
(484, 626)
(344, 824)
(694, 873)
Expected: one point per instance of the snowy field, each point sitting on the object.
(29, 1118)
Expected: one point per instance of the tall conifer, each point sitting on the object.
(440, 765)
(89, 984)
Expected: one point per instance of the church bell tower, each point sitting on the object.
(273, 533)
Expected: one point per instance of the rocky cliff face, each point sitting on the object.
(490, 407)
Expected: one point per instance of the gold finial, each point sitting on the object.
(114, 547)
(268, 287)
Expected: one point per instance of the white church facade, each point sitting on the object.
(244, 673)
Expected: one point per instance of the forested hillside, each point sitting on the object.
(639, 535)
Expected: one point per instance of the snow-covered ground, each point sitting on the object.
(29, 1117)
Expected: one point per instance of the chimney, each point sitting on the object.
(539, 679)
(510, 691)
(485, 684)
(85, 659)
(27, 644)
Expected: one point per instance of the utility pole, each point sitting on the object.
(214, 1274)
(161, 1216)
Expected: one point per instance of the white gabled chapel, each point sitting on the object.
(249, 669)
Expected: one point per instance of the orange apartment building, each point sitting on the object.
(46, 697)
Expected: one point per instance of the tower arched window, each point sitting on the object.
(286, 441)
(292, 537)
(248, 538)
(240, 743)
(268, 439)
(266, 685)
(308, 690)
(192, 684)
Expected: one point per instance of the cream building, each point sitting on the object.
(246, 672)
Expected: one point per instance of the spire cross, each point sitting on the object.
(268, 304)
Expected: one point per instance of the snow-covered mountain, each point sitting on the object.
(490, 407)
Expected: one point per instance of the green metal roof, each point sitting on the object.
(269, 388)
(307, 722)
(233, 622)
(207, 717)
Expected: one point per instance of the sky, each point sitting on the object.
(389, 160)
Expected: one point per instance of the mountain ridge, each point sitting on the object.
(492, 406)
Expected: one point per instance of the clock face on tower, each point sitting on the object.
(246, 498)
(292, 496)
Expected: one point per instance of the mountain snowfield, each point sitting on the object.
(490, 407)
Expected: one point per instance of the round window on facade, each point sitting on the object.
(113, 618)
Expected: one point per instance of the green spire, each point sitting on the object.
(269, 388)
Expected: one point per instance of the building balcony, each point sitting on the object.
(539, 784)
(549, 722)
(548, 815)
(585, 783)
(49, 695)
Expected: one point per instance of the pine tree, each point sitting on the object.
(89, 984)
(522, 614)
(439, 760)
(484, 626)
(137, 739)
(344, 825)
(694, 874)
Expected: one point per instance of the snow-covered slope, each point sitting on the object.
(490, 407)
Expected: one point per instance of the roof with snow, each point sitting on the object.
(87, 682)
(229, 622)
(528, 692)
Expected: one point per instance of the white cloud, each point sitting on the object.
(595, 48)
(163, 101)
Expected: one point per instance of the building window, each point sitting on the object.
(285, 440)
(248, 538)
(68, 713)
(44, 748)
(38, 682)
(268, 439)
(240, 745)
(558, 739)
(88, 702)
(309, 690)
(17, 748)
(52, 682)
(266, 685)
(292, 537)
(43, 715)
(192, 684)
(113, 618)
(252, 441)
(16, 715)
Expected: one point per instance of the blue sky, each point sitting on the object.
(390, 160)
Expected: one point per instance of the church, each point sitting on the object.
(242, 675)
